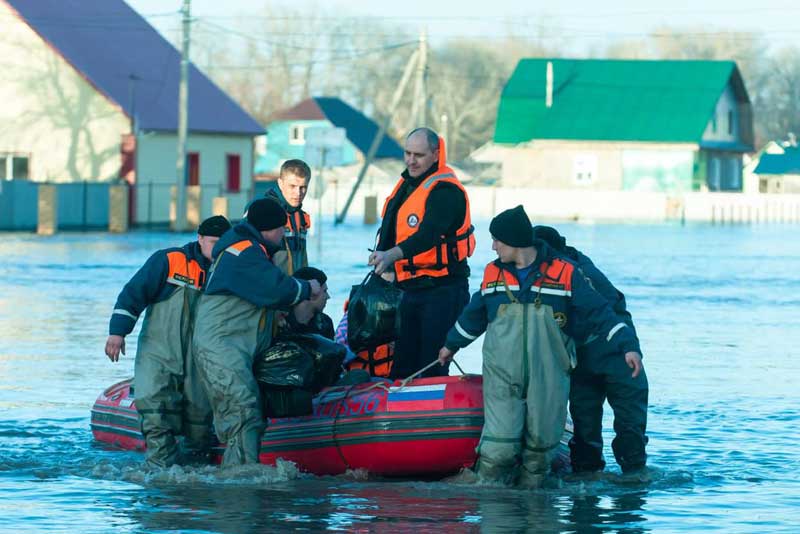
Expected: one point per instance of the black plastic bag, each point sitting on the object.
(327, 356)
(284, 364)
(282, 401)
(373, 315)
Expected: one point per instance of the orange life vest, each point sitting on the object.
(377, 362)
(557, 279)
(185, 272)
(299, 220)
(447, 250)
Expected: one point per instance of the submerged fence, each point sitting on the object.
(30, 206)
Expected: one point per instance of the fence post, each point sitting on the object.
(118, 209)
(48, 210)
(219, 206)
(370, 209)
(193, 207)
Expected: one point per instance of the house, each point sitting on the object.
(89, 92)
(286, 133)
(778, 167)
(596, 124)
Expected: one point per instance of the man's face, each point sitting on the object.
(304, 311)
(274, 236)
(418, 155)
(293, 188)
(504, 252)
(321, 300)
(207, 243)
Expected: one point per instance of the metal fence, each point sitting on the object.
(81, 206)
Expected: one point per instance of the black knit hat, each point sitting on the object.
(513, 227)
(550, 235)
(214, 226)
(266, 214)
(310, 273)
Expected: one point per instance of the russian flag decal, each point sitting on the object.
(416, 398)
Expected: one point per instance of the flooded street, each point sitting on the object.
(717, 310)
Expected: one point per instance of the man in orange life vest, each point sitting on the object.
(169, 397)
(425, 239)
(290, 193)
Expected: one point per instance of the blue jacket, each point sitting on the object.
(243, 268)
(613, 296)
(578, 308)
(150, 285)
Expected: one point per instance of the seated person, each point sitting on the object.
(307, 317)
(377, 362)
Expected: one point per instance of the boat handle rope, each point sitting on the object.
(383, 386)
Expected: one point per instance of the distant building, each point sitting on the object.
(668, 126)
(778, 167)
(89, 92)
(286, 131)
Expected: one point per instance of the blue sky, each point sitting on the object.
(585, 24)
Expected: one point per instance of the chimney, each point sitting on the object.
(548, 99)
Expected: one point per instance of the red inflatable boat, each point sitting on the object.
(429, 427)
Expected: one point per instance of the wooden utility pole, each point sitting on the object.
(422, 77)
(376, 142)
(419, 103)
(180, 222)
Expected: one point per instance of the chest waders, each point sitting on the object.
(229, 332)
(526, 364)
(169, 397)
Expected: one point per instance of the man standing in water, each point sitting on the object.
(234, 323)
(425, 239)
(290, 193)
(602, 373)
(169, 397)
(533, 300)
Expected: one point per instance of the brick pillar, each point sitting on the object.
(370, 209)
(48, 210)
(193, 205)
(219, 206)
(118, 209)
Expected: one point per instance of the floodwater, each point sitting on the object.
(717, 309)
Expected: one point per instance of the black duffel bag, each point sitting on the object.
(373, 314)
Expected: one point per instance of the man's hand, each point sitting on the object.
(389, 276)
(280, 319)
(115, 345)
(445, 356)
(383, 260)
(634, 361)
(316, 289)
(303, 311)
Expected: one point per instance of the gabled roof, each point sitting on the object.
(618, 100)
(129, 62)
(786, 163)
(359, 128)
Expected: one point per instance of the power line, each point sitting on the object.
(280, 44)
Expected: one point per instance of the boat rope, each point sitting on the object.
(333, 430)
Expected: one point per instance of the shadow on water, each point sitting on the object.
(337, 505)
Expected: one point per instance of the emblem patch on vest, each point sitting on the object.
(413, 220)
(561, 319)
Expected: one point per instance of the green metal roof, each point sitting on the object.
(615, 100)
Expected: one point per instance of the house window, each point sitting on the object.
(193, 168)
(234, 173)
(730, 122)
(585, 168)
(297, 134)
(14, 167)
